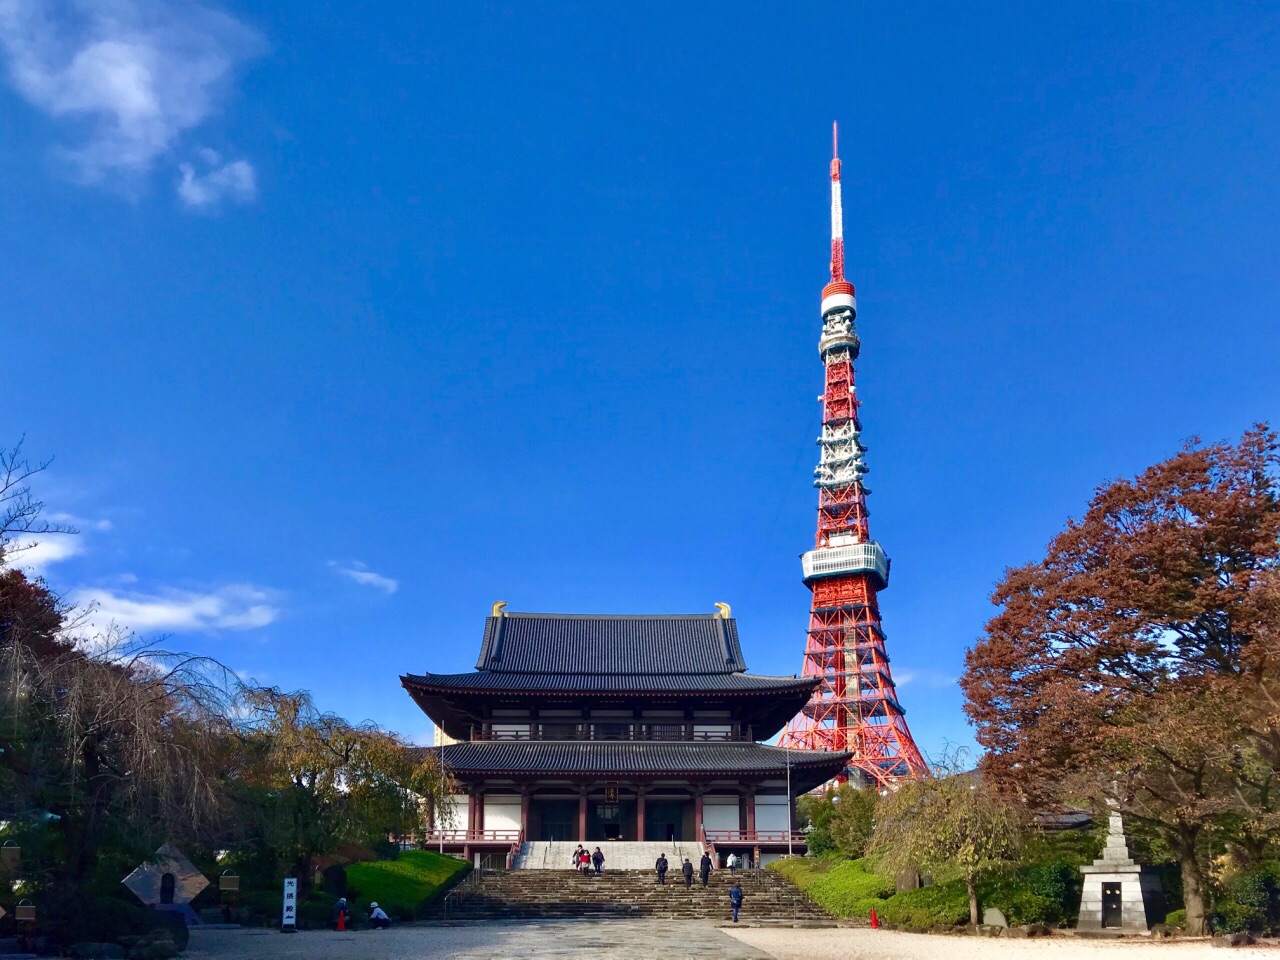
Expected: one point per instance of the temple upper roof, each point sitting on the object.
(553, 643)
(546, 660)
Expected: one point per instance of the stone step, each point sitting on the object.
(536, 893)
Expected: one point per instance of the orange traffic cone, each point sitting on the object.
(342, 920)
(875, 921)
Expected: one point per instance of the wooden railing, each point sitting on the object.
(612, 731)
(471, 836)
(754, 836)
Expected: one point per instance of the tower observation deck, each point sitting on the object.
(855, 706)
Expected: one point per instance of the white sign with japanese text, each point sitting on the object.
(289, 918)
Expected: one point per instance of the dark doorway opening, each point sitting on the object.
(1112, 908)
(167, 884)
(554, 819)
(664, 820)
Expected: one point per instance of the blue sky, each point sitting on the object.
(345, 321)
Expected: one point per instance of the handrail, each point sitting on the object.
(471, 835)
(754, 836)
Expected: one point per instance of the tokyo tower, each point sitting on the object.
(855, 707)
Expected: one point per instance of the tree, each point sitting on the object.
(1138, 662)
(951, 826)
(842, 819)
(320, 781)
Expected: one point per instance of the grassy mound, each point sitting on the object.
(845, 888)
(401, 885)
(1037, 893)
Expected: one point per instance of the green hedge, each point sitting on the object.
(845, 888)
(1047, 892)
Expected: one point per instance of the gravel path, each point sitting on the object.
(863, 944)
(538, 940)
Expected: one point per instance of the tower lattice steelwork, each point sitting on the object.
(856, 706)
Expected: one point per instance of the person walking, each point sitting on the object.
(735, 899)
(378, 918)
(597, 860)
(687, 870)
(704, 868)
(577, 857)
(661, 866)
(584, 861)
(732, 864)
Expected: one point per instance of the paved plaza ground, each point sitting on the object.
(659, 940)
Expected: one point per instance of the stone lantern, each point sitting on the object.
(1119, 896)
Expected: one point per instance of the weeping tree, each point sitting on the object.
(952, 826)
(319, 781)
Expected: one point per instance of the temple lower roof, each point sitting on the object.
(629, 759)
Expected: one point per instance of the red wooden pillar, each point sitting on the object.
(473, 814)
(524, 813)
(582, 814)
(697, 815)
(640, 813)
(750, 800)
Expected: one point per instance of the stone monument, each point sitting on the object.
(1119, 896)
(168, 878)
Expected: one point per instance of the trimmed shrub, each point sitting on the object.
(1176, 918)
(943, 904)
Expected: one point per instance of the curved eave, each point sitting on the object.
(456, 702)
(531, 760)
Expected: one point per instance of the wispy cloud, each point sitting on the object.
(36, 554)
(923, 678)
(130, 77)
(233, 607)
(233, 180)
(361, 574)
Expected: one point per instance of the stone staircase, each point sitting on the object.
(625, 855)
(562, 894)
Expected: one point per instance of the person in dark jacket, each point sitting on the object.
(661, 866)
(577, 857)
(597, 861)
(735, 899)
(704, 868)
(340, 916)
(687, 870)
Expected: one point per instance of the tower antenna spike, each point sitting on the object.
(837, 212)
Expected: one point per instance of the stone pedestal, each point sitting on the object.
(1119, 897)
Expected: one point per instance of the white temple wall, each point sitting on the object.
(773, 813)
(501, 813)
(720, 813)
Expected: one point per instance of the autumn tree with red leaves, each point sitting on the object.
(1139, 661)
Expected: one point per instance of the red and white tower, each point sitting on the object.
(856, 707)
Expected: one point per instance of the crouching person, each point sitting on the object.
(378, 918)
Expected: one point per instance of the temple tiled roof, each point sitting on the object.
(552, 643)
(629, 759)
(482, 681)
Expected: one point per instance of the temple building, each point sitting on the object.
(618, 729)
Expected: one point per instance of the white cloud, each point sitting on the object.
(233, 180)
(130, 76)
(361, 574)
(233, 607)
(36, 554)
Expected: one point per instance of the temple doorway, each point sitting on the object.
(611, 820)
(665, 820)
(554, 819)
